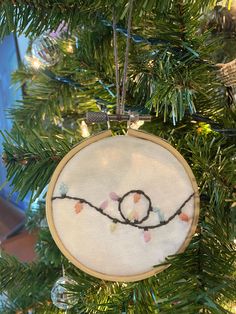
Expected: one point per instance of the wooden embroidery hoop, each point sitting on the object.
(60, 167)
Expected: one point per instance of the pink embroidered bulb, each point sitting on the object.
(104, 204)
(114, 196)
(135, 215)
(147, 235)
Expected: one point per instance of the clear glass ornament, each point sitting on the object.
(61, 297)
(45, 49)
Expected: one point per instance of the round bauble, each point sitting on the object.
(45, 49)
(61, 297)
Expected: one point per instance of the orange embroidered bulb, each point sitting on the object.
(137, 197)
(184, 217)
(78, 207)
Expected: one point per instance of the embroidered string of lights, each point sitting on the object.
(133, 218)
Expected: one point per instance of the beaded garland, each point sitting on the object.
(131, 221)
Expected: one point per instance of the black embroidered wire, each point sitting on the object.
(139, 192)
(127, 221)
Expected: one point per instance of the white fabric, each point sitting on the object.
(120, 164)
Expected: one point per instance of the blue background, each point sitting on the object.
(8, 97)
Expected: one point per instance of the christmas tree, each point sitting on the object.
(78, 62)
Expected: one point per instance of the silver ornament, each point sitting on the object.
(61, 297)
(45, 49)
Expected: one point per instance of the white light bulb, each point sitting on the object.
(70, 48)
(34, 62)
(84, 129)
(136, 125)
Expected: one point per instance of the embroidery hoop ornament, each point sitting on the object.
(50, 195)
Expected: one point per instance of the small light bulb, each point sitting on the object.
(233, 309)
(84, 129)
(136, 125)
(34, 62)
(151, 63)
(70, 48)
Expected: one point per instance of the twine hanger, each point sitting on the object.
(99, 117)
(120, 101)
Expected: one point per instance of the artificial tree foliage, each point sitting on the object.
(172, 74)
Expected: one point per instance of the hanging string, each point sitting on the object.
(121, 101)
(116, 64)
(126, 56)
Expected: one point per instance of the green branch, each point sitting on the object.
(31, 159)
